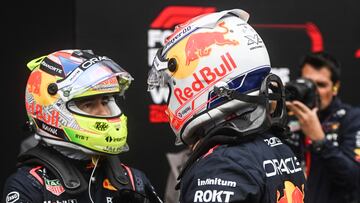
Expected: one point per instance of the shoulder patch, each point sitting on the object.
(54, 186)
(12, 197)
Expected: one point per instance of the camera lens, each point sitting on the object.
(303, 90)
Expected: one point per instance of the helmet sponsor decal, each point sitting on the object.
(199, 44)
(208, 75)
(254, 41)
(92, 61)
(47, 128)
(34, 83)
(101, 126)
(51, 67)
(12, 197)
(112, 150)
(114, 139)
(49, 116)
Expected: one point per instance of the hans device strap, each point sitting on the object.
(71, 178)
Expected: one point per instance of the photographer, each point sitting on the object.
(326, 137)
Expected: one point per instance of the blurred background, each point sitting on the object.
(129, 32)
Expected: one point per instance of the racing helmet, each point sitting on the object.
(216, 67)
(60, 79)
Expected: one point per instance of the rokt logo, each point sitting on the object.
(212, 196)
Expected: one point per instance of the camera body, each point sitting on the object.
(303, 90)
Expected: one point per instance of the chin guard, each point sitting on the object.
(265, 115)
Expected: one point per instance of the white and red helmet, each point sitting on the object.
(204, 62)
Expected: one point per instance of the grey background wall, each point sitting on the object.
(125, 31)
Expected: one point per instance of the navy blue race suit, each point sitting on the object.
(333, 168)
(37, 184)
(262, 169)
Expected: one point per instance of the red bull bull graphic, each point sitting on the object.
(199, 44)
(34, 83)
(292, 194)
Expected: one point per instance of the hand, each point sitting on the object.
(308, 119)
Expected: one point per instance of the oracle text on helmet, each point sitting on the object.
(92, 61)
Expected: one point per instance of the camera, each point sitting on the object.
(303, 90)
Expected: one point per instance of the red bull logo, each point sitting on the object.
(34, 83)
(199, 44)
(292, 194)
(205, 76)
(37, 111)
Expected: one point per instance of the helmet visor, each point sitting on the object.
(158, 76)
(81, 80)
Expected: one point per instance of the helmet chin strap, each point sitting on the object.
(262, 118)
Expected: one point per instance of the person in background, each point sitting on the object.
(72, 104)
(229, 110)
(328, 136)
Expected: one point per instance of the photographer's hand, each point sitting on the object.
(308, 119)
